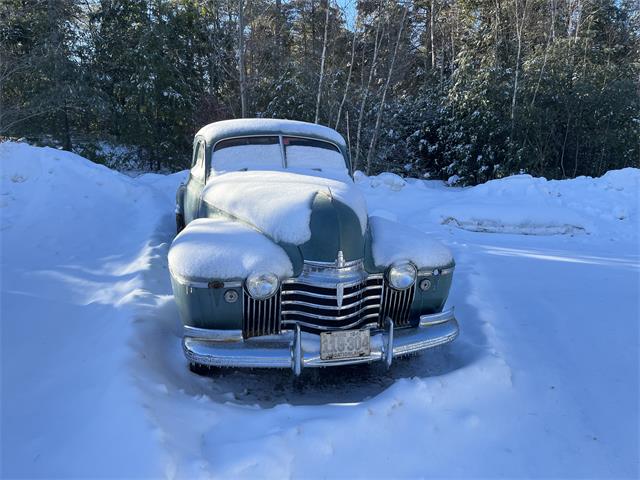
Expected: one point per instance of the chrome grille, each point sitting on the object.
(328, 299)
(396, 305)
(318, 307)
(260, 317)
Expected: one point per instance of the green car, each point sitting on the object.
(277, 263)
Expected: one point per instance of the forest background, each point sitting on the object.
(474, 89)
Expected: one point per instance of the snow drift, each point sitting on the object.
(543, 381)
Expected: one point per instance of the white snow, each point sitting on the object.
(279, 203)
(526, 205)
(387, 179)
(393, 242)
(224, 249)
(248, 126)
(542, 382)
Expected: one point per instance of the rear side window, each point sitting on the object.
(247, 153)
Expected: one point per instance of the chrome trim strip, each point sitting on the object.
(330, 297)
(197, 284)
(329, 317)
(296, 352)
(323, 283)
(212, 335)
(333, 265)
(360, 321)
(436, 318)
(330, 307)
(388, 354)
(429, 273)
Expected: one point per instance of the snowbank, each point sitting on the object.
(279, 203)
(393, 242)
(76, 241)
(224, 249)
(542, 382)
(520, 204)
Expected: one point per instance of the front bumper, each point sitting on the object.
(297, 350)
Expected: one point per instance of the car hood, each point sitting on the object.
(318, 215)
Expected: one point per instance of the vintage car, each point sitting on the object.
(277, 264)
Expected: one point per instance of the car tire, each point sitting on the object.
(179, 223)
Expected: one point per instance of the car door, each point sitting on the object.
(195, 183)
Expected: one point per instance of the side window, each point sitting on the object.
(197, 169)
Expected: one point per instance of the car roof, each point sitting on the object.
(241, 127)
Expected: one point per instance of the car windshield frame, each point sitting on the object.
(305, 141)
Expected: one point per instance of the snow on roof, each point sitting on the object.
(393, 242)
(219, 248)
(258, 126)
(279, 203)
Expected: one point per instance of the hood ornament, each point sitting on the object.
(340, 260)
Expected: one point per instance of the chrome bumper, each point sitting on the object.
(297, 350)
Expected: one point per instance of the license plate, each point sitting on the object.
(345, 344)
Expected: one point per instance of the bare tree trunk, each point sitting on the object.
(553, 19)
(496, 33)
(279, 36)
(241, 65)
(365, 92)
(346, 115)
(519, 29)
(346, 87)
(324, 53)
(431, 27)
(550, 38)
(376, 130)
(66, 145)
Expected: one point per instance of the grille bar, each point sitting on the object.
(260, 317)
(331, 307)
(396, 305)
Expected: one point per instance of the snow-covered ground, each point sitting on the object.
(542, 382)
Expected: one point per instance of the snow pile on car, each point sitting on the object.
(225, 249)
(279, 203)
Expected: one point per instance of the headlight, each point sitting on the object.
(402, 275)
(261, 285)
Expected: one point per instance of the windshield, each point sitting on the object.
(247, 153)
(313, 154)
(266, 153)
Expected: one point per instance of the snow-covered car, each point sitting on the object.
(277, 264)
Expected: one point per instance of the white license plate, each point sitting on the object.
(345, 344)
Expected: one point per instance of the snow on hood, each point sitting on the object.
(393, 242)
(219, 248)
(279, 203)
